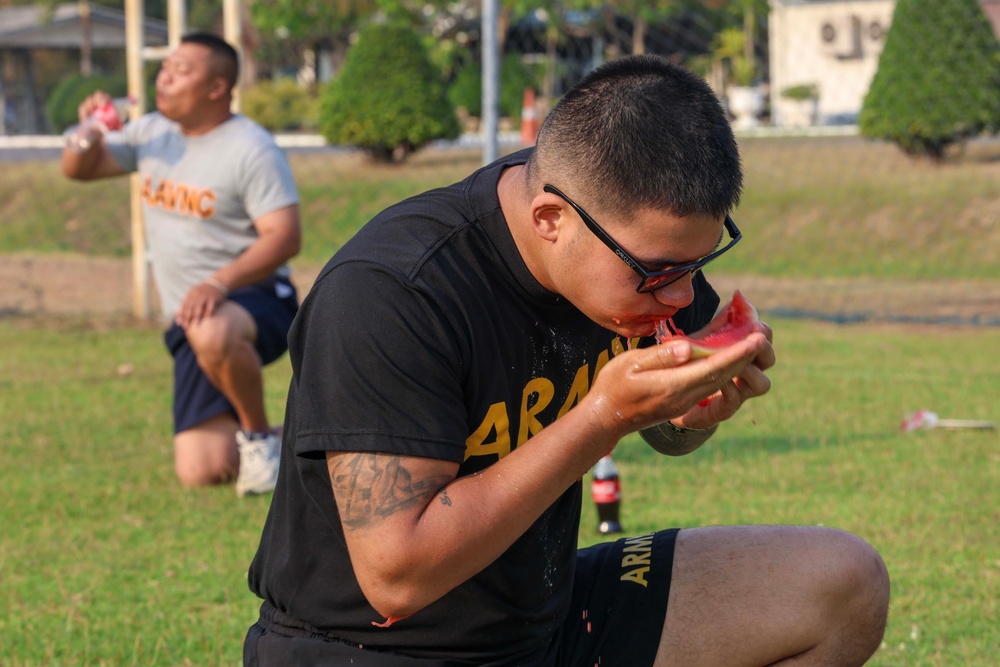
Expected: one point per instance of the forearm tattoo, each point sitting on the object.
(372, 487)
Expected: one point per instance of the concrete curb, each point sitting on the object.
(467, 139)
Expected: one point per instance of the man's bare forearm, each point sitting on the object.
(415, 533)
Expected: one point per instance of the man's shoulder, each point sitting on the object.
(238, 123)
(151, 124)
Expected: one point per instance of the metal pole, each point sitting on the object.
(491, 81)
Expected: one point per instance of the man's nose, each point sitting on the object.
(677, 294)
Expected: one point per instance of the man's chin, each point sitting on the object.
(634, 330)
(163, 108)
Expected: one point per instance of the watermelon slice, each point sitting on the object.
(741, 317)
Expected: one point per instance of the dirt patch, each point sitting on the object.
(65, 285)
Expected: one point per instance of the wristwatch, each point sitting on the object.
(681, 430)
(78, 139)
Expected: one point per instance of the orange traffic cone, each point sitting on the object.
(529, 118)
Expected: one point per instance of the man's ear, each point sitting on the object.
(219, 88)
(547, 215)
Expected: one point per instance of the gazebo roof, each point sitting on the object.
(34, 27)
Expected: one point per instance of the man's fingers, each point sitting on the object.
(752, 382)
(664, 355)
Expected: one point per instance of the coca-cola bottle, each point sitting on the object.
(108, 117)
(606, 491)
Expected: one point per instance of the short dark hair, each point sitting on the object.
(227, 60)
(641, 132)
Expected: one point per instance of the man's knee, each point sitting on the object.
(216, 338)
(193, 477)
(213, 339)
(197, 472)
(207, 455)
(857, 583)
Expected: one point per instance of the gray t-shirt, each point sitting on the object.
(201, 194)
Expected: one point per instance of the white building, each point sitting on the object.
(834, 44)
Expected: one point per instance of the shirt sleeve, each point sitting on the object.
(268, 181)
(122, 144)
(376, 368)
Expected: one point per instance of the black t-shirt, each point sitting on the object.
(426, 335)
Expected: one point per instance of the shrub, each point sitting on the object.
(466, 91)
(388, 98)
(467, 88)
(281, 104)
(69, 93)
(938, 80)
(801, 92)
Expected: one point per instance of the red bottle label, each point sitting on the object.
(606, 491)
(108, 115)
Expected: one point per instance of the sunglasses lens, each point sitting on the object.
(653, 283)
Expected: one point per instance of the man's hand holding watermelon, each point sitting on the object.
(677, 392)
(733, 324)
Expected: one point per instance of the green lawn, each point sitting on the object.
(106, 561)
(811, 208)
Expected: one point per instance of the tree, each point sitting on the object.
(938, 80)
(288, 28)
(466, 90)
(388, 98)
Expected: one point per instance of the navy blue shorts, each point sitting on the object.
(272, 303)
(615, 619)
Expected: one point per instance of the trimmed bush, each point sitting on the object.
(388, 98)
(72, 90)
(281, 104)
(938, 80)
(467, 88)
(801, 92)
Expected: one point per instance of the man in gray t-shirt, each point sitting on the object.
(222, 220)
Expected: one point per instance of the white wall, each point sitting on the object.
(834, 44)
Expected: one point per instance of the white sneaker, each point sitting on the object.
(259, 455)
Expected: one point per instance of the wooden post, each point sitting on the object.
(86, 38)
(233, 33)
(134, 16)
(136, 55)
(176, 22)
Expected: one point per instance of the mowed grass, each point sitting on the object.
(811, 207)
(104, 560)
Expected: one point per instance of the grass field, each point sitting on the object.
(812, 208)
(104, 560)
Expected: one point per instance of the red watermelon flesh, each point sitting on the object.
(741, 317)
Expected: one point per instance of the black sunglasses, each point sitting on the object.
(651, 280)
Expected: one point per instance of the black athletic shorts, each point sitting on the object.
(272, 303)
(616, 618)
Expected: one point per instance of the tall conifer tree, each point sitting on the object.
(938, 79)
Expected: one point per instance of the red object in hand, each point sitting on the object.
(109, 115)
(741, 317)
